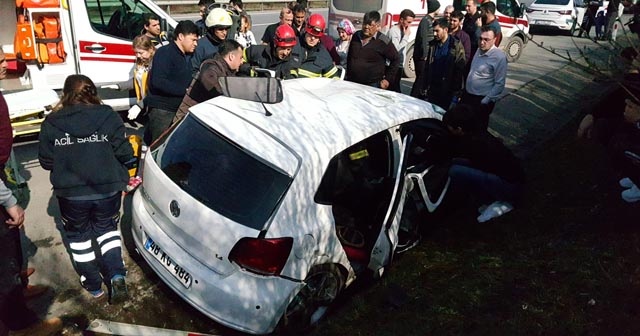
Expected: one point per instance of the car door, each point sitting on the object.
(428, 161)
(382, 252)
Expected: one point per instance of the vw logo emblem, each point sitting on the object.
(174, 208)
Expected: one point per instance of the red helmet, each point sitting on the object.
(285, 36)
(316, 25)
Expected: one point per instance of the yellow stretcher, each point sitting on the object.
(27, 109)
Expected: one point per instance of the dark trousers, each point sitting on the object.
(14, 313)
(484, 187)
(159, 121)
(416, 89)
(395, 84)
(91, 228)
(482, 111)
(620, 137)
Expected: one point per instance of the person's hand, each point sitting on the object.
(586, 125)
(134, 111)
(17, 216)
(384, 84)
(631, 111)
(479, 22)
(407, 31)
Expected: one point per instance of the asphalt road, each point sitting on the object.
(155, 304)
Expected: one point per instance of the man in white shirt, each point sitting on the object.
(486, 78)
(399, 35)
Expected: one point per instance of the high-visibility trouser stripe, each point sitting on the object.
(107, 236)
(109, 241)
(110, 245)
(82, 251)
(331, 72)
(308, 74)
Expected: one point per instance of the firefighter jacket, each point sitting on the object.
(262, 56)
(316, 62)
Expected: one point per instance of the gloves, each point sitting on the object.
(134, 111)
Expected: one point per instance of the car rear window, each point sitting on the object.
(223, 176)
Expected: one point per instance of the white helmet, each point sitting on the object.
(218, 17)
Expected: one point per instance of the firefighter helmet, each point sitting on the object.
(316, 25)
(285, 36)
(217, 18)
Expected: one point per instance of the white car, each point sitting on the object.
(258, 213)
(566, 15)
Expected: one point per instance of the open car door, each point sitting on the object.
(429, 160)
(385, 245)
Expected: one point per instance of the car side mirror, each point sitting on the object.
(265, 90)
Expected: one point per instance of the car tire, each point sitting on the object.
(409, 67)
(513, 49)
(310, 305)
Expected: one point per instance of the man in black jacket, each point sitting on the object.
(483, 167)
(424, 35)
(205, 86)
(169, 79)
(444, 72)
(372, 59)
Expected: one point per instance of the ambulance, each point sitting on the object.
(510, 13)
(47, 40)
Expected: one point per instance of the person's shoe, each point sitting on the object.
(407, 241)
(40, 328)
(496, 209)
(626, 183)
(31, 291)
(119, 292)
(97, 293)
(632, 194)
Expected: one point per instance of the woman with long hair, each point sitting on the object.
(84, 146)
(144, 50)
(244, 36)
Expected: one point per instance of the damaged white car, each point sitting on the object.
(259, 210)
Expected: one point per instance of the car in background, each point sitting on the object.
(259, 211)
(563, 15)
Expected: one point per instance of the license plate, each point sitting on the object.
(176, 270)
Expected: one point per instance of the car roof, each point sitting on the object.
(317, 115)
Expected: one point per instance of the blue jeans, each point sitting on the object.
(486, 188)
(91, 226)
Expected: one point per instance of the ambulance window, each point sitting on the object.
(507, 7)
(123, 18)
(358, 6)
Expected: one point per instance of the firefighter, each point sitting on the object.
(316, 61)
(218, 23)
(282, 55)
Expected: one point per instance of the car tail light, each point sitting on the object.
(262, 256)
(565, 12)
(529, 10)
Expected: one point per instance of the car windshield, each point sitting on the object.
(553, 2)
(220, 174)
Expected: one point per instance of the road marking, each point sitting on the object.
(125, 329)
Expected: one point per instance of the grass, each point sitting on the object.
(566, 262)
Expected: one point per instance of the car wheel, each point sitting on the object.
(309, 306)
(408, 66)
(513, 49)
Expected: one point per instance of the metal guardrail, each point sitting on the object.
(249, 5)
